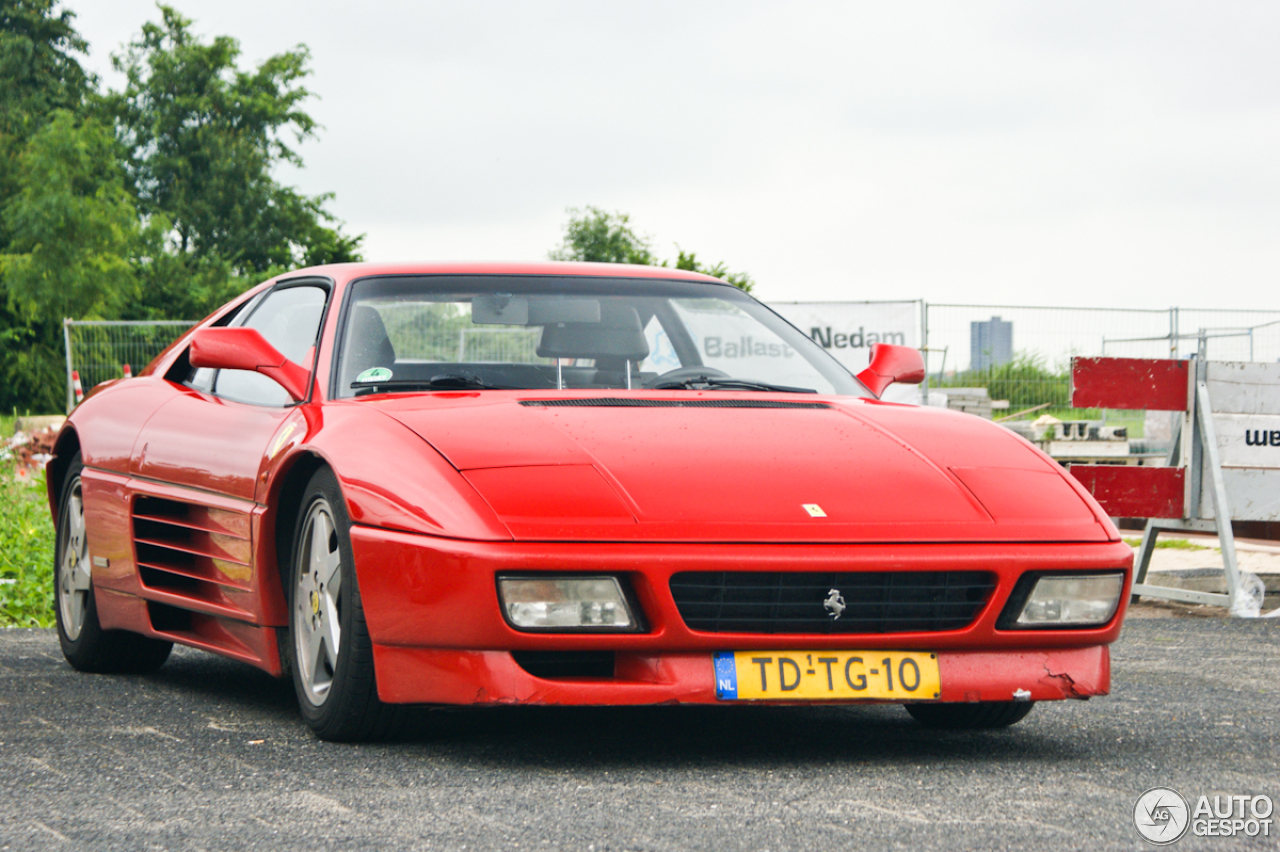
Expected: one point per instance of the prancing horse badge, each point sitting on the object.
(834, 603)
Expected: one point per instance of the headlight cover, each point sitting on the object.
(566, 603)
(1048, 600)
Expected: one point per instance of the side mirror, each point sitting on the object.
(891, 364)
(246, 349)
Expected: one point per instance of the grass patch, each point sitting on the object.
(26, 551)
(1170, 544)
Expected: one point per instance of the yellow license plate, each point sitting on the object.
(826, 675)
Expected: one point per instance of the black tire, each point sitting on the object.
(85, 644)
(337, 692)
(983, 715)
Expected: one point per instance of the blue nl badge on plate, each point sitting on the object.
(726, 675)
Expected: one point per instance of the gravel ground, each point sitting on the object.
(209, 754)
(1168, 559)
(1201, 567)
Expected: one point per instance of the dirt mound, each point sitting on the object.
(30, 452)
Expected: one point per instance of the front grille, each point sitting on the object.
(641, 402)
(792, 602)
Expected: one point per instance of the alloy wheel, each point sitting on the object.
(74, 567)
(317, 603)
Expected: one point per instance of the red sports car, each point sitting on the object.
(568, 484)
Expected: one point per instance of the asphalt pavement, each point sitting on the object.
(209, 754)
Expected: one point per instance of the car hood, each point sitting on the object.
(722, 467)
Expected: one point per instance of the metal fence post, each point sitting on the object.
(66, 339)
(924, 346)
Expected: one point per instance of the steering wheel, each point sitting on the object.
(681, 374)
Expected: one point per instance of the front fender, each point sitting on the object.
(390, 477)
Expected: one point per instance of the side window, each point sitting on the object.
(289, 319)
(202, 378)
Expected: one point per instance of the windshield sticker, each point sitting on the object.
(374, 374)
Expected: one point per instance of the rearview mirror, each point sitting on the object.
(247, 349)
(890, 364)
(508, 309)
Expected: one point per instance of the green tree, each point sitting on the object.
(73, 226)
(31, 376)
(38, 75)
(73, 229)
(203, 137)
(689, 261)
(595, 235)
(153, 202)
(41, 80)
(592, 234)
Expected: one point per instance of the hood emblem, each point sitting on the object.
(814, 510)
(834, 604)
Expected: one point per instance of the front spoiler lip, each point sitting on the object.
(461, 677)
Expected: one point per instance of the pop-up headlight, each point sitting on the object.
(566, 602)
(1063, 600)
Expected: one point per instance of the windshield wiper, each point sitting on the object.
(444, 381)
(731, 384)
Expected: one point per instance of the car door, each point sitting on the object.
(196, 461)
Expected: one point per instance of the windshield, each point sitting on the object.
(433, 332)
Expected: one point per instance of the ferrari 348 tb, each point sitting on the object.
(568, 484)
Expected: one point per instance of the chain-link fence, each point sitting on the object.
(1037, 372)
(100, 350)
(1035, 368)
(1053, 334)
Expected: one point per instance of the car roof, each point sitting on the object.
(344, 272)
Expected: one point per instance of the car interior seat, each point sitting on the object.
(616, 343)
(367, 346)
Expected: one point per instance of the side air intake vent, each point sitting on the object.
(193, 552)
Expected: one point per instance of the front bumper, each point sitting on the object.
(440, 638)
(434, 676)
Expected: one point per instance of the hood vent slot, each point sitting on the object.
(632, 402)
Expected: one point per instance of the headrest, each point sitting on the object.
(618, 334)
(367, 344)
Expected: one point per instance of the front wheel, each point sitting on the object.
(977, 716)
(330, 653)
(85, 644)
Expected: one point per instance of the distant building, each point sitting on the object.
(990, 343)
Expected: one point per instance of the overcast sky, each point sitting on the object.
(1083, 153)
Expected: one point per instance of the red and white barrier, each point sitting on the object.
(79, 389)
(1223, 465)
(128, 373)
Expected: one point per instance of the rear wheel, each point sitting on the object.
(84, 643)
(330, 653)
(976, 716)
